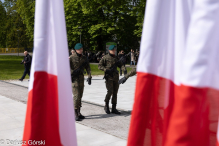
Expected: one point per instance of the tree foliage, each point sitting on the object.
(26, 9)
(98, 21)
(102, 21)
(139, 11)
(14, 29)
(2, 25)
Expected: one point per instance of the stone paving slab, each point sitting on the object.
(92, 137)
(96, 117)
(117, 125)
(12, 124)
(92, 106)
(96, 92)
(14, 91)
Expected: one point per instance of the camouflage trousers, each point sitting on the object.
(78, 89)
(112, 87)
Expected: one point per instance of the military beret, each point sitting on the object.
(112, 47)
(78, 46)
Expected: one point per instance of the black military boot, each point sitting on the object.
(79, 114)
(76, 115)
(106, 108)
(114, 110)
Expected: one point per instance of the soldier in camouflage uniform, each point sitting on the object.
(112, 85)
(131, 73)
(76, 61)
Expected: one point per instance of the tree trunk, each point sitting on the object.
(99, 43)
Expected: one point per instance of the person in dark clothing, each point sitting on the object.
(121, 54)
(89, 56)
(27, 64)
(85, 54)
(99, 56)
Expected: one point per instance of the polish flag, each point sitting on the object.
(217, 135)
(50, 114)
(177, 88)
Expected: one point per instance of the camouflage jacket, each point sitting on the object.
(131, 73)
(107, 62)
(76, 61)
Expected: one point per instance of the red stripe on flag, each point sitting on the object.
(189, 124)
(188, 114)
(42, 117)
(147, 121)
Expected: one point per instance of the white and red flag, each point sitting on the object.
(50, 114)
(177, 88)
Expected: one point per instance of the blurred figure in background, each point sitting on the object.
(102, 55)
(136, 56)
(121, 54)
(72, 51)
(27, 64)
(85, 54)
(99, 56)
(132, 57)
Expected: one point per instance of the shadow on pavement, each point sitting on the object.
(101, 116)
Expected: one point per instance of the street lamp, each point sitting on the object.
(80, 32)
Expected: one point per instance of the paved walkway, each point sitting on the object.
(98, 129)
(96, 92)
(12, 118)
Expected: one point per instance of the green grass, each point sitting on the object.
(11, 69)
(95, 70)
